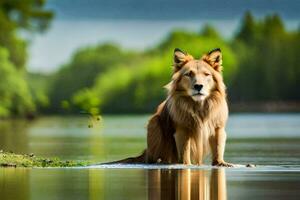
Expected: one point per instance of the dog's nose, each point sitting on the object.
(198, 87)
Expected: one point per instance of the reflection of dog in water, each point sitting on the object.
(187, 184)
(191, 121)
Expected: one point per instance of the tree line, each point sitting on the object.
(260, 65)
(17, 98)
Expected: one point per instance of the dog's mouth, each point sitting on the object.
(198, 94)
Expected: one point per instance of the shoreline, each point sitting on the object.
(10, 159)
(266, 107)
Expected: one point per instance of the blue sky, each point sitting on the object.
(170, 9)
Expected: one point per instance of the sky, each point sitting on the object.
(170, 9)
(138, 24)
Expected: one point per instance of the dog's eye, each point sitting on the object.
(189, 74)
(207, 74)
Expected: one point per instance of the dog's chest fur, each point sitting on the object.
(193, 116)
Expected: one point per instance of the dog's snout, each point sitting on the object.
(198, 87)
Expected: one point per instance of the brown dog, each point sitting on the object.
(191, 121)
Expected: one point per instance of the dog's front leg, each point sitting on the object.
(217, 143)
(183, 145)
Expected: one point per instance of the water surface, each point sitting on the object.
(270, 141)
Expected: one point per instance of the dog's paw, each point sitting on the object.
(222, 164)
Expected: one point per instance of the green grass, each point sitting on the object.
(9, 159)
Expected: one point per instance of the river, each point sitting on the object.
(271, 141)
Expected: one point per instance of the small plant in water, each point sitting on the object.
(93, 118)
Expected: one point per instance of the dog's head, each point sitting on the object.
(197, 78)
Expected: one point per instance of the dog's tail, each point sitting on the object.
(141, 159)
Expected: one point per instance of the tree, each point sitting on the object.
(15, 97)
(248, 30)
(209, 31)
(16, 15)
(268, 61)
(81, 72)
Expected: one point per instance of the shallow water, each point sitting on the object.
(270, 141)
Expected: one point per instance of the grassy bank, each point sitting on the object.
(9, 159)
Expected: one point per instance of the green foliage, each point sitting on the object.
(87, 100)
(260, 64)
(249, 29)
(15, 97)
(126, 88)
(18, 15)
(138, 86)
(39, 89)
(82, 71)
(268, 61)
(8, 159)
(209, 31)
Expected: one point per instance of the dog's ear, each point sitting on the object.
(180, 58)
(214, 59)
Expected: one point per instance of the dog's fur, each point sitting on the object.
(191, 121)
